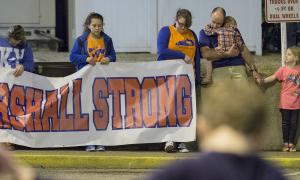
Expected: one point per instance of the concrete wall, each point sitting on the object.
(129, 23)
(133, 24)
(247, 13)
(272, 136)
(29, 13)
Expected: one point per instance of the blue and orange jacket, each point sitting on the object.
(164, 53)
(79, 52)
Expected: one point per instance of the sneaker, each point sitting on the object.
(292, 148)
(285, 148)
(170, 146)
(8, 146)
(100, 148)
(90, 148)
(182, 148)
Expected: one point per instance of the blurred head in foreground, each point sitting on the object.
(235, 111)
(12, 168)
(229, 127)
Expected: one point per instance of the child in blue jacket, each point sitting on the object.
(91, 47)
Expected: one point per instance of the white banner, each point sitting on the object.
(115, 104)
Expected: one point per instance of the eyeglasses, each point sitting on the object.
(181, 25)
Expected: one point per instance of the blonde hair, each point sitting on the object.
(239, 107)
(230, 20)
(296, 52)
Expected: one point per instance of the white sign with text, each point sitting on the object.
(277, 11)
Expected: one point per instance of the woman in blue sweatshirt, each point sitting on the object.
(91, 47)
(177, 41)
(15, 52)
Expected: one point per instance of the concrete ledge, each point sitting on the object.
(126, 160)
(101, 160)
(285, 162)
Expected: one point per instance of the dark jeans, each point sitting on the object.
(290, 119)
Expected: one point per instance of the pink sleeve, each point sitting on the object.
(279, 74)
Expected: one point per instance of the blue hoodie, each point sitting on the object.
(10, 55)
(79, 51)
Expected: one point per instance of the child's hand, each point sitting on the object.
(104, 60)
(187, 59)
(19, 70)
(256, 75)
(232, 52)
(259, 81)
(91, 60)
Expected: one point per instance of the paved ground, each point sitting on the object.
(90, 174)
(292, 174)
(113, 174)
(113, 165)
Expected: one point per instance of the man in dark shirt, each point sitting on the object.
(229, 128)
(228, 64)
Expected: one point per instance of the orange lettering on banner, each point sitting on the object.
(184, 100)
(149, 102)
(161, 102)
(293, 1)
(66, 121)
(81, 119)
(116, 87)
(34, 99)
(100, 114)
(17, 101)
(4, 119)
(133, 117)
(50, 112)
(166, 93)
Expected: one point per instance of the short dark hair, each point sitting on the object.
(16, 32)
(186, 14)
(220, 9)
(88, 20)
